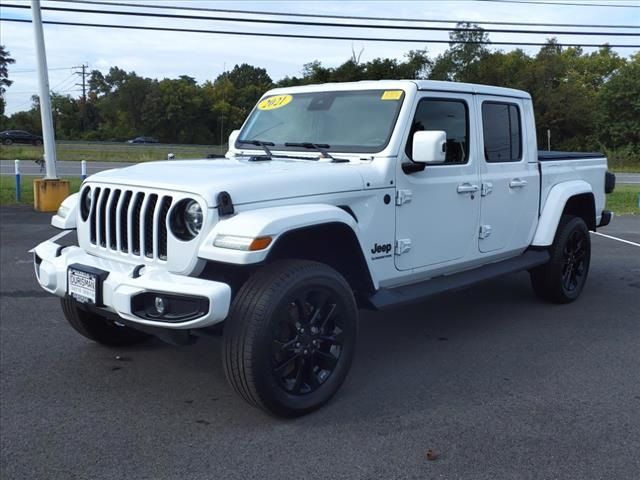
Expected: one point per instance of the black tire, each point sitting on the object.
(37, 143)
(290, 337)
(562, 279)
(98, 328)
(7, 141)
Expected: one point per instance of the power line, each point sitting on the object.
(342, 17)
(541, 2)
(323, 24)
(312, 37)
(35, 70)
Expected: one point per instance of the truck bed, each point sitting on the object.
(553, 155)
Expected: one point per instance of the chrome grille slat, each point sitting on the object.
(130, 222)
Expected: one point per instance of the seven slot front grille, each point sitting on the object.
(130, 222)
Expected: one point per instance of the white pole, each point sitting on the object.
(83, 169)
(45, 100)
(548, 139)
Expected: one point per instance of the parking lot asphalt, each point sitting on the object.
(498, 384)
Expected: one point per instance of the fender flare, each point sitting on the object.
(273, 222)
(556, 201)
(70, 211)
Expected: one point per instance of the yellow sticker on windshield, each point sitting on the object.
(391, 95)
(272, 103)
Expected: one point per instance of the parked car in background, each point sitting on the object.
(9, 137)
(143, 140)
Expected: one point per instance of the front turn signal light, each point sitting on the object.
(248, 244)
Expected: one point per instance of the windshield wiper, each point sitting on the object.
(320, 147)
(259, 143)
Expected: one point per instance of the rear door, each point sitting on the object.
(509, 176)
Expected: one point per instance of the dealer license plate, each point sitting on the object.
(83, 286)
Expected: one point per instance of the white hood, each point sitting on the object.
(244, 180)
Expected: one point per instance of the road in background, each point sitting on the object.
(71, 168)
(499, 384)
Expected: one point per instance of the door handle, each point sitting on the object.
(517, 183)
(467, 188)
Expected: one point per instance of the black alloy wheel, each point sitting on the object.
(307, 341)
(562, 279)
(290, 337)
(575, 254)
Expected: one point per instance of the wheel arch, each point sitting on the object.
(334, 244)
(572, 198)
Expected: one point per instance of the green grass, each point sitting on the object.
(8, 189)
(624, 200)
(110, 152)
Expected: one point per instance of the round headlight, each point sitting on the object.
(85, 203)
(193, 217)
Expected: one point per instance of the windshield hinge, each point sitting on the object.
(403, 196)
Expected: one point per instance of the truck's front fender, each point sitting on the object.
(65, 217)
(549, 219)
(268, 222)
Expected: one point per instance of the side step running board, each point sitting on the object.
(392, 297)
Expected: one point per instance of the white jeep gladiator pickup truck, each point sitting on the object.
(331, 198)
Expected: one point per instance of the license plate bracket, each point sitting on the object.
(84, 283)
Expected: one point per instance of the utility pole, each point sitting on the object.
(45, 99)
(50, 191)
(83, 105)
(83, 73)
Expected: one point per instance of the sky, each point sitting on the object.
(205, 56)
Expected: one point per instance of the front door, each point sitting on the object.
(509, 175)
(437, 209)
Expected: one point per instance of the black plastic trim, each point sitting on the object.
(392, 297)
(605, 219)
(413, 167)
(225, 204)
(609, 182)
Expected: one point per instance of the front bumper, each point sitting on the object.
(52, 260)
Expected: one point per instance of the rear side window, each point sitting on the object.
(501, 132)
(449, 115)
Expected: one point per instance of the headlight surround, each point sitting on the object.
(186, 219)
(85, 203)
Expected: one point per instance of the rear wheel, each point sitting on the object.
(563, 278)
(290, 337)
(98, 328)
(37, 142)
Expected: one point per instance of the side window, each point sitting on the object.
(449, 115)
(501, 132)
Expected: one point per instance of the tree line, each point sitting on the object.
(589, 101)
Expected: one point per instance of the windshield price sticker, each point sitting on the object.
(272, 103)
(391, 95)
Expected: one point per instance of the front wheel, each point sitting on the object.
(562, 279)
(7, 141)
(290, 337)
(98, 328)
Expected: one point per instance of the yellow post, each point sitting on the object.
(49, 194)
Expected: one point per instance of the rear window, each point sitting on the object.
(501, 132)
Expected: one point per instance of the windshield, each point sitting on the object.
(351, 121)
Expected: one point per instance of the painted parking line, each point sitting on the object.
(618, 239)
